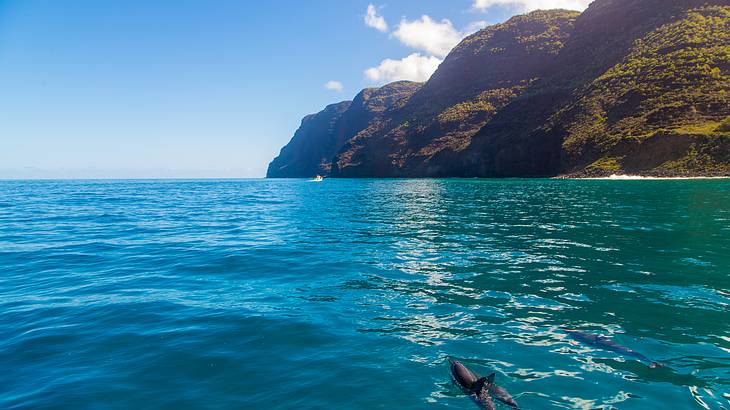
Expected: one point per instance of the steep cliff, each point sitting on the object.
(484, 73)
(640, 87)
(659, 110)
(313, 145)
(322, 135)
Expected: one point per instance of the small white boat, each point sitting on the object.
(318, 178)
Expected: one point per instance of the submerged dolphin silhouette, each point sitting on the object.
(480, 389)
(606, 343)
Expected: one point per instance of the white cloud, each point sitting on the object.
(433, 37)
(334, 85)
(415, 67)
(372, 19)
(530, 5)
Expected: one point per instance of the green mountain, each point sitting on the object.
(628, 86)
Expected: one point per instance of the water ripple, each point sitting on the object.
(283, 294)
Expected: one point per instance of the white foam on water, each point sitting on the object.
(623, 177)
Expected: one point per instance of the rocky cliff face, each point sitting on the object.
(481, 76)
(635, 77)
(669, 90)
(313, 145)
(322, 135)
(635, 86)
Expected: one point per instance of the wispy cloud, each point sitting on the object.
(530, 5)
(334, 85)
(374, 20)
(415, 67)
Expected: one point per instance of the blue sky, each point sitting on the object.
(183, 88)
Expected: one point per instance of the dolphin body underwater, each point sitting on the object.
(606, 343)
(480, 389)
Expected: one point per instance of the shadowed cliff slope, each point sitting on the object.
(484, 73)
(322, 135)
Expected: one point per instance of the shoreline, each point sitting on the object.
(627, 177)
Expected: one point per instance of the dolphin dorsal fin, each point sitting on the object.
(484, 382)
(479, 384)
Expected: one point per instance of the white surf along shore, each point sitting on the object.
(622, 177)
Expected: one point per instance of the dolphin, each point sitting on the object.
(606, 343)
(480, 389)
(503, 395)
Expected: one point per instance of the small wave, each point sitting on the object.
(624, 177)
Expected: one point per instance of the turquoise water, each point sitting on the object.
(350, 294)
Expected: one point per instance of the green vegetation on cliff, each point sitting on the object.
(673, 81)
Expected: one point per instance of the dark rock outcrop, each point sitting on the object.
(313, 145)
(322, 135)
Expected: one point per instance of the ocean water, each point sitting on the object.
(352, 294)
